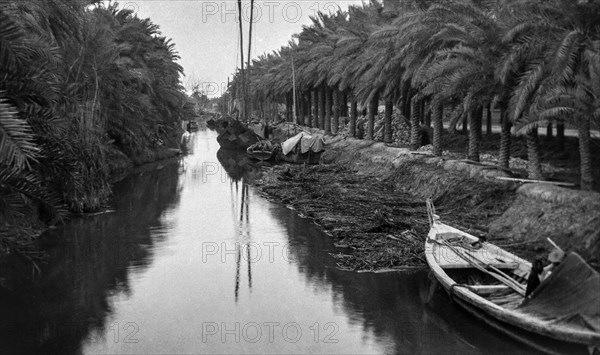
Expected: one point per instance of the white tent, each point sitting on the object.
(314, 143)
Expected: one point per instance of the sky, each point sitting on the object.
(206, 32)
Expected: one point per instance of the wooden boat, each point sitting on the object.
(192, 126)
(263, 150)
(561, 315)
(211, 123)
(233, 134)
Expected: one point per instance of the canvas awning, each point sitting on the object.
(312, 142)
(569, 295)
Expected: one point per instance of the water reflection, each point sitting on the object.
(156, 277)
(243, 234)
(91, 259)
(396, 307)
(237, 164)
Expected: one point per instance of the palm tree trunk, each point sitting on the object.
(560, 134)
(387, 121)
(479, 123)
(306, 116)
(474, 133)
(308, 120)
(336, 111)
(373, 105)
(488, 122)
(505, 139)
(438, 126)
(315, 108)
(288, 106)
(344, 104)
(353, 116)
(322, 96)
(328, 99)
(415, 129)
(406, 101)
(587, 178)
(300, 108)
(549, 131)
(534, 166)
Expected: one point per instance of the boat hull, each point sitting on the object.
(533, 340)
(262, 155)
(239, 141)
(538, 333)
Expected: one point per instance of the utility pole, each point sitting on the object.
(295, 118)
(243, 101)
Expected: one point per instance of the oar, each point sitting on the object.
(507, 281)
(501, 276)
(492, 267)
(554, 244)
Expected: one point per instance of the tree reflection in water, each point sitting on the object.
(243, 236)
(90, 259)
(390, 305)
(95, 260)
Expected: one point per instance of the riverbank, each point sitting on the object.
(20, 236)
(370, 198)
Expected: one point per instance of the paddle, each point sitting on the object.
(502, 277)
(502, 273)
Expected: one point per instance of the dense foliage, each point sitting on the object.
(538, 62)
(80, 81)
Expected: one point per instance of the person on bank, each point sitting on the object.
(555, 258)
(539, 273)
(535, 278)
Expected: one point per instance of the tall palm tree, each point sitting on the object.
(553, 41)
(579, 103)
(464, 65)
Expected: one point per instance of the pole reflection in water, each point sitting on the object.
(155, 277)
(242, 235)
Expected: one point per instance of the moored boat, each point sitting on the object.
(263, 150)
(233, 134)
(192, 126)
(211, 123)
(561, 315)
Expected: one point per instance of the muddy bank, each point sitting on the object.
(371, 199)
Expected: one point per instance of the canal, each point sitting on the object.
(191, 259)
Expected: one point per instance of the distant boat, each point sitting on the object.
(233, 134)
(211, 123)
(562, 315)
(302, 148)
(192, 126)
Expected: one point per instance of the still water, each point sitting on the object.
(194, 260)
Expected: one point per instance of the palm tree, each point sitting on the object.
(72, 73)
(464, 65)
(577, 102)
(553, 41)
(387, 131)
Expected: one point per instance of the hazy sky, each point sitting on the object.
(206, 32)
